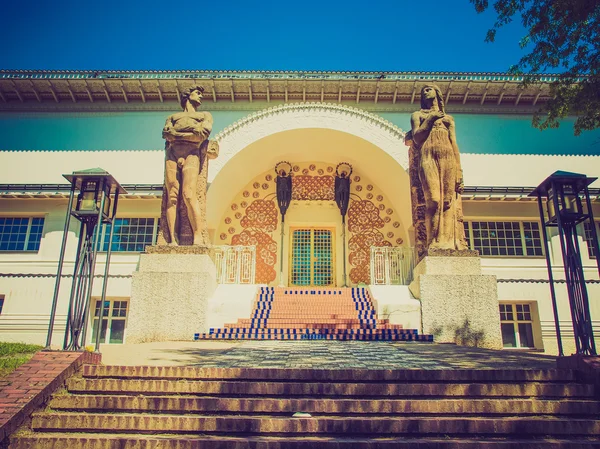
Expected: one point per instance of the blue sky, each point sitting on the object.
(306, 35)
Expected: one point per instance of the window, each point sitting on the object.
(517, 325)
(113, 323)
(1, 303)
(130, 234)
(588, 236)
(20, 233)
(504, 238)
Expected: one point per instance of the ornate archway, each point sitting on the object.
(370, 127)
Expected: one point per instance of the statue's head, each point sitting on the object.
(432, 92)
(193, 94)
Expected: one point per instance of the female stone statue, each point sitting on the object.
(440, 174)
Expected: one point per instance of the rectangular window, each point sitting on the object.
(21, 233)
(504, 238)
(130, 234)
(588, 237)
(113, 322)
(1, 303)
(517, 325)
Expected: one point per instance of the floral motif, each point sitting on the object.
(369, 196)
(363, 216)
(305, 171)
(382, 207)
(269, 177)
(389, 211)
(369, 187)
(231, 230)
(296, 168)
(256, 185)
(244, 204)
(312, 188)
(223, 236)
(329, 169)
(246, 194)
(399, 241)
(379, 197)
(261, 214)
(238, 215)
(312, 167)
(387, 219)
(234, 206)
(358, 188)
(255, 194)
(390, 235)
(357, 179)
(320, 171)
(265, 186)
(227, 220)
(396, 224)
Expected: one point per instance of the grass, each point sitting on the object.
(13, 355)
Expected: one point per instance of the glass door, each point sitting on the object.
(312, 261)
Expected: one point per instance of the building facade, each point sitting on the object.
(53, 123)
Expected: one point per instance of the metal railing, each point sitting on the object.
(392, 266)
(235, 264)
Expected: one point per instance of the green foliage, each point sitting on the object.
(13, 355)
(17, 348)
(562, 36)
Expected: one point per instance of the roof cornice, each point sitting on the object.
(386, 91)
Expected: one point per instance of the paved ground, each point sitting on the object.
(321, 354)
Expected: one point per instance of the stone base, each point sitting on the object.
(458, 303)
(176, 249)
(169, 295)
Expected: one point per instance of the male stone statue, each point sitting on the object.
(439, 172)
(186, 163)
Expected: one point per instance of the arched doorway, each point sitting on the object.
(314, 138)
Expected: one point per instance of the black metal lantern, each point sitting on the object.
(283, 188)
(567, 205)
(342, 199)
(95, 203)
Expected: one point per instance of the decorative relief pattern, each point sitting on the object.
(266, 253)
(312, 188)
(261, 214)
(255, 219)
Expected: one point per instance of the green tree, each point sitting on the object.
(563, 37)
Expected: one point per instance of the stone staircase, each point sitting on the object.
(116, 407)
(314, 314)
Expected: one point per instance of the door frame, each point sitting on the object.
(331, 229)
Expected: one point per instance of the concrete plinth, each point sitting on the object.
(169, 296)
(458, 303)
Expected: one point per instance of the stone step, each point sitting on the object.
(272, 406)
(358, 390)
(329, 425)
(328, 375)
(195, 441)
(307, 334)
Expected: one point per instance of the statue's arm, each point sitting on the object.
(205, 126)
(420, 130)
(452, 136)
(168, 128)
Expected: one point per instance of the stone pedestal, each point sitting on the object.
(458, 303)
(169, 294)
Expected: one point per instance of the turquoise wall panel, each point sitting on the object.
(92, 131)
(512, 134)
(483, 133)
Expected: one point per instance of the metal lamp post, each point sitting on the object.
(568, 204)
(95, 203)
(342, 199)
(283, 185)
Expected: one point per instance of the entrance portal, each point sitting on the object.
(312, 257)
